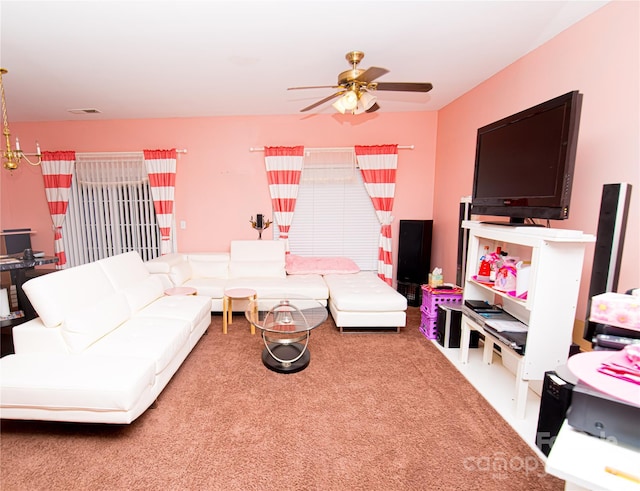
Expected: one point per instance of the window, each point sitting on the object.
(110, 209)
(334, 215)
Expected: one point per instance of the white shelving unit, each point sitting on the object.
(556, 257)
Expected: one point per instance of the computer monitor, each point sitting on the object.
(17, 240)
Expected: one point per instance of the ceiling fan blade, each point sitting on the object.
(370, 74)
(322, 101)
(404, 87)
(373, 108)
(315, 87)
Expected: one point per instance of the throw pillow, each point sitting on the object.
(320, 265)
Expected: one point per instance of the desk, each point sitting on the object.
(580, 460)
(19, 266)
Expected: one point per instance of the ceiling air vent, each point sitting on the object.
(84, 111)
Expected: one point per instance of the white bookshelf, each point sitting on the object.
(556, 258)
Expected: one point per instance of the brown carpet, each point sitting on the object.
(371, 412)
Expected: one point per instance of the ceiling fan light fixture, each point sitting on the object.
(338, 106)
(348, 103)
(367, 100)
(350, 100)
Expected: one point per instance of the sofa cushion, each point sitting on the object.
(209, 287)
(88, 323)
(191, 308)
(257, 250)
(90, 383)
(257, 269)
(363, 292)
(143, 293)
(56, 295)
(209, 265)
(124, 269)
(163, 264)
(158, 339)
(312, 286)
(180, 272)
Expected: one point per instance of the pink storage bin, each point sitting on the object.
(432, 297)
(428, 324)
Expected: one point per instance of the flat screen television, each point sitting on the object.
(524, 162)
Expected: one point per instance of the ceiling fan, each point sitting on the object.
(356, 87)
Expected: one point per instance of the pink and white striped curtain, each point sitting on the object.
(161, 168)
(284, 166)
(378, 166)
(57, 172)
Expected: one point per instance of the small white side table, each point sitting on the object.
(227, 305)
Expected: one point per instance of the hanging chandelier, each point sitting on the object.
(11, 158)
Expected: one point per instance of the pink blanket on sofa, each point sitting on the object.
(319, 265)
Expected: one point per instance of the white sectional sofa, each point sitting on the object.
(106, 343)
(356, 299)
(108, 340)
(256, 264)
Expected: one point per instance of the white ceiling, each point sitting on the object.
(159, 59)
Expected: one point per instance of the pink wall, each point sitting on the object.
(220, 183)
(600, 57)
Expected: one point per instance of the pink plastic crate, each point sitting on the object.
(428, 324)
(432, 297)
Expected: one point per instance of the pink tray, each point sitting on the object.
(585, 367)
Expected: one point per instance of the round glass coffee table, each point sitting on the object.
(285, 325)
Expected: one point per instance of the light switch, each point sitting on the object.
(183, 224)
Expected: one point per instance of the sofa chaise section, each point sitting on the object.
(76, 388)
(363, 300)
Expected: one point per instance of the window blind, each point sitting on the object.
(334, 215)
(110, 209)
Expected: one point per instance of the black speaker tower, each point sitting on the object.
(463, 239)
(414, 250)
(612, 224)
(414, 258)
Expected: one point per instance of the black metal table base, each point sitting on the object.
(286, 352)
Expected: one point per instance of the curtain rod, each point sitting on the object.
(400, 147)
(178, 150)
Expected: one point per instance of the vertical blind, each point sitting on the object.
(110, 209)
